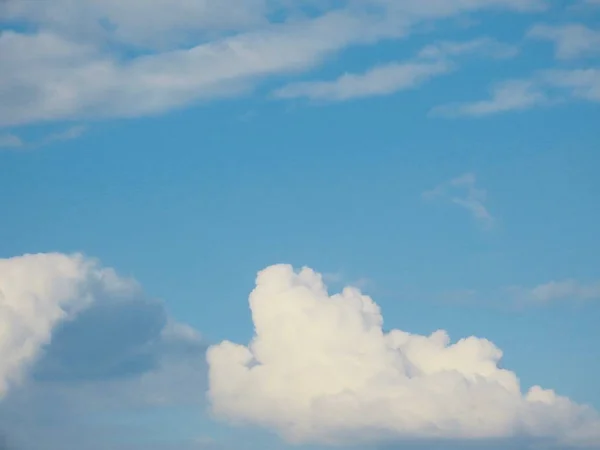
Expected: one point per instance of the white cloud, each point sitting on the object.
(78, 341)
(37, 292)
(571, 40)
(70, 80)
(77, 65)
(321, 368)
(513, 95)
(380, 80)
(463, 191)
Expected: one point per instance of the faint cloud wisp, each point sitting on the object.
(463, 191)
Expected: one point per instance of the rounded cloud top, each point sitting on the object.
(320, 368)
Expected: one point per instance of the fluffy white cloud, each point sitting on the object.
(571, 40)
(78, 341)
(79, 63)
(37, 292)
(321, 368)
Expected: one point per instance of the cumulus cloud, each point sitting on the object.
(571, 40)
(84, 59)
(76, 340)
(38, 292)
(463, 191)
(321, 368)
(67, 319)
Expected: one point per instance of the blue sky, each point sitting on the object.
(442, 157)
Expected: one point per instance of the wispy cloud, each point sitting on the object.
(544, 88)
(380, 80)
(571, 40)
(463, 192)
(564, 290)
(582, 84)
(10, 141)
(513, 95)
(13, 142)
(433, 60)
(337, 278)
(484, 46)
(79, 65)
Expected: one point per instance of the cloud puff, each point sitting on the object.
(321, 368)
(76, 341)
(66, 319)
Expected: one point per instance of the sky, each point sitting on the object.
(276, 224)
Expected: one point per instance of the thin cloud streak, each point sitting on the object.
(464, 192)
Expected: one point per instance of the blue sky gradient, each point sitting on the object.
(452, 208)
